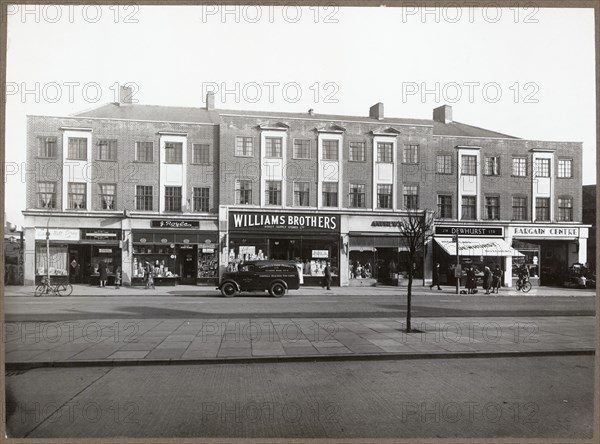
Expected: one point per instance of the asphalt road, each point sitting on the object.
(524, 397)
(189, 306)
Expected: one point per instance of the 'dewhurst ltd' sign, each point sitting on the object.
(467, 231)
(293, 221)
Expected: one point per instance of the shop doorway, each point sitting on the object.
(188, 257)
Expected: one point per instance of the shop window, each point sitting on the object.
(491, 166)
(273, 147)
(77, 196)
(144, 151)
(160, 260)
(492, 207)
(301, 194)
(519, 166)
(565, 168)
(46, 194)
(56, 261)
(47, 147)
(384, 196)
(411, 197)
(410, 154)
(330, 194)
(273, 192)
(542, 208)
(444, 164)
(77, 148)
(107, 150)
(444, 206)
(173, 152)
(173, 199)
(565, 209)
(357, 152)
(243, 192)
(519, 205)
(201, 200)
(469, 208)
(468, 165)
(143, 198)
(200, 153)
(108, 194)
(330, 149)
(301, 149)
(244, 146)
(542, 167)
(384, 152)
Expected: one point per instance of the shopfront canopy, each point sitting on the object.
(477, 247)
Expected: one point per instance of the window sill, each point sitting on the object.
(239, 155)
(143, 161)
(201, 163)
(512, 175)
(71, 158)
(107, 160)
(46, 158)
(301, 158)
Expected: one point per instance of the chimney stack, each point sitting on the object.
(443, 114)
(376, 111)
(210, 100)
(125, 95)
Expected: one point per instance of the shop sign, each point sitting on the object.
(208, 250)
(320, 254)
(549, 232)
(58, 234)
(386, 223)
(293, 221)
(175, 224)
(467, 231)
(98, 234)
(186, 247)
(104, 250)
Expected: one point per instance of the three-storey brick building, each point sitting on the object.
(193, 190)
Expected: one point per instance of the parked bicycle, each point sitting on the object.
(58, 289)
(523, 284)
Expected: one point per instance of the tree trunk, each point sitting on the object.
(409, 298)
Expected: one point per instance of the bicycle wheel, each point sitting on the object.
(526, 286)
(39, 290)
(64, 289)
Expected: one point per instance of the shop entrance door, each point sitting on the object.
(188, 266)
(280, 249)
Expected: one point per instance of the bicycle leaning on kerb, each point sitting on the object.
(58, 289)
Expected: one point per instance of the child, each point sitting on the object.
(118, 278)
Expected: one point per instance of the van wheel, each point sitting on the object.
(228, 290)
(277, 290)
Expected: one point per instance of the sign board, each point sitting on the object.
(166, 223)
(58, 234)
(457, 271)
(283, 221)
(246, 249)
(320, 254)
(469, 231)
(536, 231)
(104, 250)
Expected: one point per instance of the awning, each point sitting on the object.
(477, 247)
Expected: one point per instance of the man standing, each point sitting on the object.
(102, 271)
(327, 272)
(436, 277)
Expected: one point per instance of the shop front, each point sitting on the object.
(376, 252)
(74, 254)
(476, 246)
(548, 250)
(308, 239)
(175, 252)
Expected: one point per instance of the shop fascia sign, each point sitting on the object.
(254, 221)
(58, 234)
(175, 224)
(548, 232)
(469, 231)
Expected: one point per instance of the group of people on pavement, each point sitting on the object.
(491, 279)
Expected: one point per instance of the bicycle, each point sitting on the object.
(58, 289)
(523, 285)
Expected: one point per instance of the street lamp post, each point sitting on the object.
(457, 270)
(48, 251)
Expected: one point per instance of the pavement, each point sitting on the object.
(108, 342)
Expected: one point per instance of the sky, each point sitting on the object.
(525, 72)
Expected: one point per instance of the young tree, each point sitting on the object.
(416, 228)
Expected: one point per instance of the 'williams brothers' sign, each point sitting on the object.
(292, 221)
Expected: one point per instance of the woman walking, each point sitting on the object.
(487, 279)
(102, 271)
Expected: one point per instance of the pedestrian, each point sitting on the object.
(74, 269)
(327, 279)
(149, 276)
(118, 277)
(436, 277)
(497, 277)
(471, 285)
(102, 271)
(487, 279)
